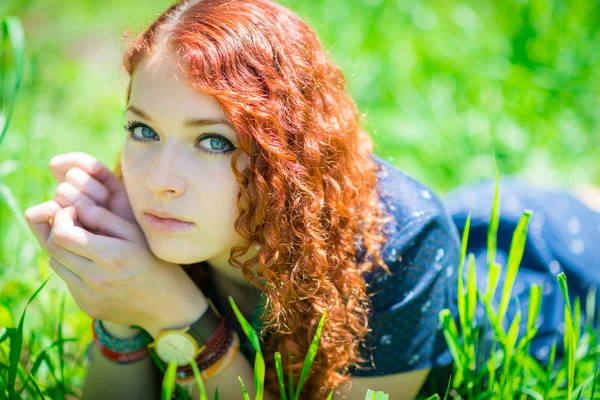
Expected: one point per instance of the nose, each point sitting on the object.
(164, 177)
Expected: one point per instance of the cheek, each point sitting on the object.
(135, 163)
(220, 206)
(132, 168)
(219, 211)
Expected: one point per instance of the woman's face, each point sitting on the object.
(181, 166)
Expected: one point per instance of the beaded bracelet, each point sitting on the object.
(217, 367)
(120, 351)
(121, 358)
(216, 346)
(204, 362)
(121, 345)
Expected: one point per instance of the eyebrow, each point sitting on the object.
(190, 122)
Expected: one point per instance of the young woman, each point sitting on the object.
(245, 172)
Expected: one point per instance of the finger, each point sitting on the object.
(110, 181)
(62, 233)
(67, 195)
(71, 279)
(102, 220)
(81, 243)
(39, 218)
(88, 185)
(60, 164)
(119, 200)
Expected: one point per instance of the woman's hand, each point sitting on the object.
(82, 177)
(117, 279)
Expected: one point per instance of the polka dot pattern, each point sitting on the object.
(424, 249)
(422, 253)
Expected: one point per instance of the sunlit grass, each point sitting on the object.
(511, 372)
(28, 369)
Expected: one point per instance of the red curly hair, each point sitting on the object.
(315, 194)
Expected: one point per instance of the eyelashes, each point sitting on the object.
(132, 125)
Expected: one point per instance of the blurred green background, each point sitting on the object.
(440, 83)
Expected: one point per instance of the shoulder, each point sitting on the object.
(421, 219)
(422, 253)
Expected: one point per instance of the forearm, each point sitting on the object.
(229, 383)
(106, 379)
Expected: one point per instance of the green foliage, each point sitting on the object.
(8, 387)
(168, 383)
(376, 395)
(520, 77)
(512, 372)
(12, 59)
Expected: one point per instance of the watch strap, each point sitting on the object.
(206, 325)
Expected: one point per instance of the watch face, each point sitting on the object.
(175, 346)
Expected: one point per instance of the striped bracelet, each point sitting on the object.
(121, 351)
(118, 344)
(219, 366)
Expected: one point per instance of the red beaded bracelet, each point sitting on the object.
(119, 358)
(206, 361)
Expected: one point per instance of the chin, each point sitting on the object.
(174, 256)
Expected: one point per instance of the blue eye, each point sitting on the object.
(217, 142)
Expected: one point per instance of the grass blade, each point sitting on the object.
(310, 356)
(259, 362)
(492, 282)
(199, 381)
(590, 303)
(535, 303)
(279, 369)
(15, 346)
(376, 395)
(290, 379)
(577, 322)
(61, 352)
(451, 335)
(595, 376)
(494, 219)
(464, 240)
(168, 381)
(40, 357)
(517, 247)
(35, 385)
(471, 307)
(511, 339)
(244, 391)
(13, 30)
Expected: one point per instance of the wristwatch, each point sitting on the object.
(184, 345)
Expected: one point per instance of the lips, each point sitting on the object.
(166, 225)
(166, 215)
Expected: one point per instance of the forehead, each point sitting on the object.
(159, 85)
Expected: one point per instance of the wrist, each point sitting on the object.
(119, 331)
(181, 319)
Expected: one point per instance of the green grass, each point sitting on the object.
(511, 372)
(546, 85)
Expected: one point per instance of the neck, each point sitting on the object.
(245, 295)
